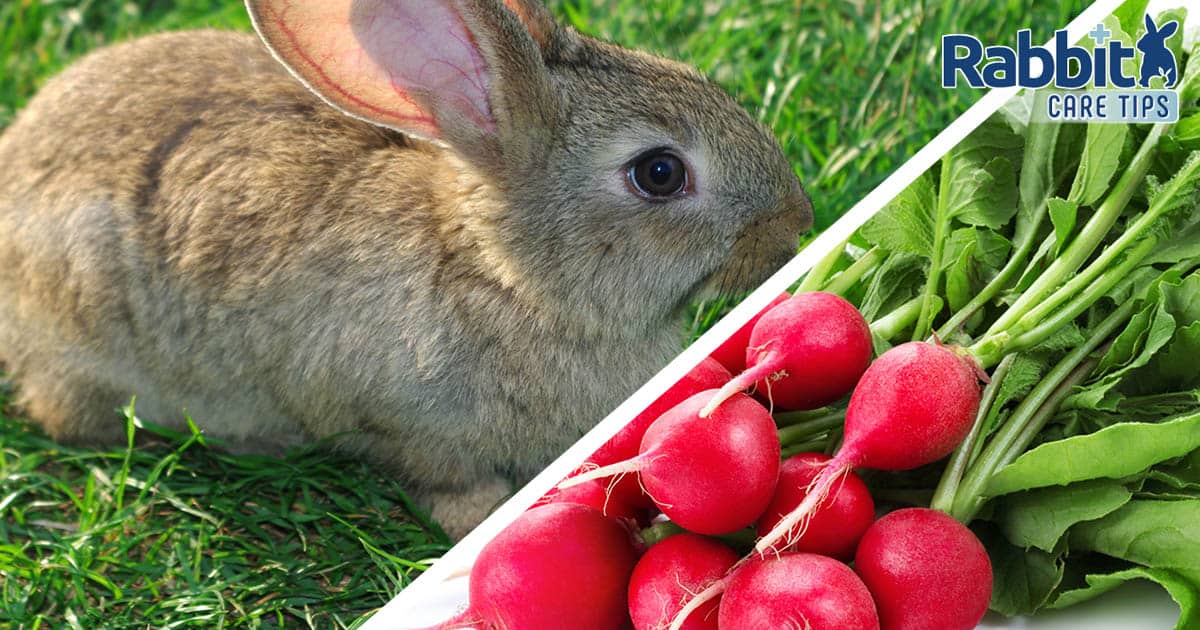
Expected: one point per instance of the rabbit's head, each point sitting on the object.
(611, 182)
(1154, 41)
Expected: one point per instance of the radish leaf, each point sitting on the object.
(1161, 534)
(1118, 451)
(1040, 518)
(1185, 592)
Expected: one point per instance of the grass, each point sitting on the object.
(172, 533)
(177, 534)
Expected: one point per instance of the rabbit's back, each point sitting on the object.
(181, 219)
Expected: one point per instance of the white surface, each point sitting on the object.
(1138, 605)
(430, 599)
(441, 604)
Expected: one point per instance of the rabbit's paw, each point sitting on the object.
(459, 511)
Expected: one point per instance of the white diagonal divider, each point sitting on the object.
(400, 613)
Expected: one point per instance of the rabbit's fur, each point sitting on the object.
(183, 221)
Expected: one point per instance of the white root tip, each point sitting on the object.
(712, 405)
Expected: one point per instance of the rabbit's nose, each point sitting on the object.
(799, 204)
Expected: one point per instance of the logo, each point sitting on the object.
(1060, 70)
(1157, 59)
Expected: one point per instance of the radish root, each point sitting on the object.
(619, 468)
(791, 527)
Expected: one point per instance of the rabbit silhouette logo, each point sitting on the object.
(1157, 59)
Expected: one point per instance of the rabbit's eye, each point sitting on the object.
(658, 174)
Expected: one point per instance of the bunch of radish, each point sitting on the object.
(706, 457)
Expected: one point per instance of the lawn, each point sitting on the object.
(174, 533)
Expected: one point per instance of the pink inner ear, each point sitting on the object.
(424, 46)
(402, 63)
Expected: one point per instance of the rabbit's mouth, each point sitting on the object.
(762, 249)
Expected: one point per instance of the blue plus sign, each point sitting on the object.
(1100, 34)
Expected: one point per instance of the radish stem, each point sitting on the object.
(807, 429)
(1172, 398)
(1134, 239)
(1086, 298)
(943, 497)
(986, 350)
(1032, 423)
(816, 276)
(1008, 441)
(659, 532)
(812, 446)
(1090, 237)
(855, 272)
(789, 418)
(1041, 320)
(1038, 184)
(928, 307)
(892, 325)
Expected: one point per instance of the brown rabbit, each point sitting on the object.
(456, 234)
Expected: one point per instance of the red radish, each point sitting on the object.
(711, 475)
(913, 406)
(708, 374)
(796, 591)
(836, 526)
(926, 571)
(732, 353)
(804, 353)
(669, 573)
(594, 494)
(557, 566)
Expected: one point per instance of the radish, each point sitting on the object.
(804, 353)
(669, 573)
(595, 494)
(913, 406)
(708, 374)
(925, 570)
(557, 566)
(711, 475)
(796, 591)
(732, 353)
(835, 526)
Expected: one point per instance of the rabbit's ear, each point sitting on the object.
(1151, 29)
(466, 72)
(1168, 30)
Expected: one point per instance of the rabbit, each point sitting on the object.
(1157, 59)
(450, 235)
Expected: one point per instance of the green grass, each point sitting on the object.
(172, 532)
(179, 534)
